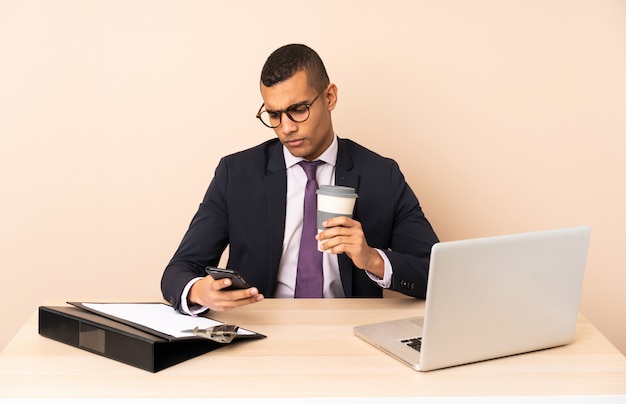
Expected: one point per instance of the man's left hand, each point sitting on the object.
(345, 235)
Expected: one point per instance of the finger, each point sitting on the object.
(334, 232)
(339, 221)
(216, 284)
(239, 294)
(333, 246)
(237, 299)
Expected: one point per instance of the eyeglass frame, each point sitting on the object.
(286, 112)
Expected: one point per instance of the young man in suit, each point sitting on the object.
(254, 205)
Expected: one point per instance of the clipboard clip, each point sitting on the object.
(223, 333)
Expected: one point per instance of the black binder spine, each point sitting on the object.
(117, 341)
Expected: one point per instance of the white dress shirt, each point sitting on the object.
(296, 184)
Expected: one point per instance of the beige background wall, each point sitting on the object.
(505, 116)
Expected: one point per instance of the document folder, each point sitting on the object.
(119, 341)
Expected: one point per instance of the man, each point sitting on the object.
(254, 205)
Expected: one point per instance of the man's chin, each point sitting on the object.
(299, 151)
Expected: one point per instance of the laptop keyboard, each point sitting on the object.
(415, 343)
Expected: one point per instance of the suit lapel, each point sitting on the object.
(347, 177)
(276, 191)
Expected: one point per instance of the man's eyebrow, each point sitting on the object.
(297, 104)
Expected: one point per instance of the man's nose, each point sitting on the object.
(287, 125)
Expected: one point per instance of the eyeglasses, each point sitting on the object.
(297, 112)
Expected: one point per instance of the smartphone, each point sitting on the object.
(235, 277)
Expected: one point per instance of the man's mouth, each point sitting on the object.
(294, 142)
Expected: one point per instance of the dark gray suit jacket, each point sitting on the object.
(245, 206)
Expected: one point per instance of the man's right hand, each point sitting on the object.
(209, 292)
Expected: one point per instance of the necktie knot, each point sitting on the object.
(310, 168)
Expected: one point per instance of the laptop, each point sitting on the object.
(491, 297)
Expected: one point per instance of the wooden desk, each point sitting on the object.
(310, 351)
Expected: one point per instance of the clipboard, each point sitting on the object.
(159, 319)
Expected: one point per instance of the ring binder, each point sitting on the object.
(121, 342)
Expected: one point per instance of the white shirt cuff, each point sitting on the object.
(384, 282)
(195, 309)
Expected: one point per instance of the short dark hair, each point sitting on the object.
(287, 60)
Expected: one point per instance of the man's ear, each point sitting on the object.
(331, 96)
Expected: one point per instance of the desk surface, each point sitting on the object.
(310, 351)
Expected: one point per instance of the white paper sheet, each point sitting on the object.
(157, 316)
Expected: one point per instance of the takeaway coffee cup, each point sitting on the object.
(332, 201)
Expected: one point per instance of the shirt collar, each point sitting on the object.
(329, 156)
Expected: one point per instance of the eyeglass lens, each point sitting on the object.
(297, 113)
